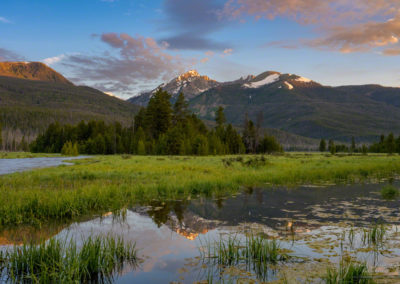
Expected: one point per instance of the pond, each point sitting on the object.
(8, 166)
(315, 227)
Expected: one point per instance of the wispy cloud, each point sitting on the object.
(342, 25)
(8, 55)
(4, 20)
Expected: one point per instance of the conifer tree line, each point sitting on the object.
(159, 129)
(387, 144)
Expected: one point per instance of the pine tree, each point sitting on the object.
(158, 114)
(332, 147)
(322, 145)
(180, 112)
(353, 144)
(390, 144)
(220, 117)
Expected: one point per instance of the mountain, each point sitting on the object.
(27, 107)
(32, 71)
(190, 83)
(301, 106)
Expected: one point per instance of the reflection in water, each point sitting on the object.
(317, 225)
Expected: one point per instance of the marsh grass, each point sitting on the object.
(113, 182)
(389, 192)
(97, 261)
(375, 235)
(254, 251)
(348, 273)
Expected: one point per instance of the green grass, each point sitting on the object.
(348, 273)
(108, 183)
(20, 155)
(389, 192)
(55, 261)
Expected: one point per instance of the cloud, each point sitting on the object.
(8, 55)
(362, 37)
(130, 61)
(53, 60)
(190, 24)
(342, 25)
(228, 51)
(209, 54)
(4, 20)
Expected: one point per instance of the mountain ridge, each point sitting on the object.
(36, 71)
(301, 106)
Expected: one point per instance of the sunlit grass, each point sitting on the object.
(108, 183)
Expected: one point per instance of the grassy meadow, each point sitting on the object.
(108, 183)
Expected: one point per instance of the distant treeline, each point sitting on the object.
(161, 129)
(387, 144)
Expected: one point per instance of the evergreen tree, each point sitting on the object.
(390, 144)
(139, 120)
(158, 114)
(353, 144)
(331, 147)
(180, 112)
(220, 117)
(322, 145)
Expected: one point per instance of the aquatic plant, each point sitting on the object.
(375, 235)
(233, 250)
(255, 252)
(56, 261)
(389, 192)
(348, 273)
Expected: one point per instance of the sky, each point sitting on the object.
(124, 47)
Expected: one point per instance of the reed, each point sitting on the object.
(349, 273)
(97, 260)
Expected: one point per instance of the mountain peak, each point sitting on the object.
(191, 74)
(37, 71)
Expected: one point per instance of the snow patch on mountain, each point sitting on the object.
(266, 81)
(304, 80)
(290, 86)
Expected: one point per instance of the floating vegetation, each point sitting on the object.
(389, 192)
(348, 273)
(55, 261)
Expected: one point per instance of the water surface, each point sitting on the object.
(313, 224)
(9, 166)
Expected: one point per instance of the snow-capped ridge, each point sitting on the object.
(266, 81)
(303, 79)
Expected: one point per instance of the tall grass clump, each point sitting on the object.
(375, 235)
(348, 273)
(389, 192)
(55, 261)
(256, 252)
(233, 250)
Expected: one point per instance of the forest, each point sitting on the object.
(159, 129)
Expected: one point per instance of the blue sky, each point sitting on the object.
(127, 46)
